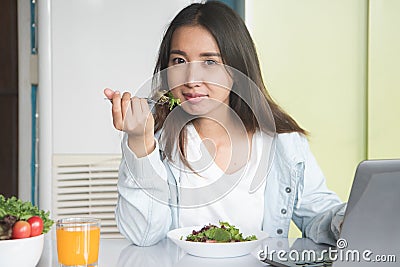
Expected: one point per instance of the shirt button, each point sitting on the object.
(283, 211)
(288, 190)
(279, 231)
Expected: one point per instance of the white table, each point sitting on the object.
(120, 253)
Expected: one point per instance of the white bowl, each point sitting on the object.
(215, 250)
(25, 252)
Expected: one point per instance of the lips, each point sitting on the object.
(194, 97)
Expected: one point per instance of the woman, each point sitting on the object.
(194, 164)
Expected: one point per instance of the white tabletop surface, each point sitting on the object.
(120, 253)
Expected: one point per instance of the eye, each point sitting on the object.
(210, 62)
(178, 60)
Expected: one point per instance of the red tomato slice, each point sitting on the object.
(21, 229)
(36, 225)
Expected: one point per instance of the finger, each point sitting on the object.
(108, 93)
(125, 102)
(136, 107)
(132, 116)
(144, 105)
(146, 110)
(116, 110)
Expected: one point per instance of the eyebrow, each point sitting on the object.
(205, 54)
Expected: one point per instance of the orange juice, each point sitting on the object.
(78, 245)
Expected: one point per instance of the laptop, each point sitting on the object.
(370, 233)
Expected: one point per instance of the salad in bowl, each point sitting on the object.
(22, 229)
(212, 241)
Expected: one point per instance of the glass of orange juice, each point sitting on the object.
(78, 241)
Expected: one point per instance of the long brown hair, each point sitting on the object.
(237, 51)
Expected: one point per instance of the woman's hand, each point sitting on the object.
(133, 116)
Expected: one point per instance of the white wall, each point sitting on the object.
(98, 44)
(85, 46)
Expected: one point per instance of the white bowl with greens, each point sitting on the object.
(24, 252)
(215, 243)
(22, 229)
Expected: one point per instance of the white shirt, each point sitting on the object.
(214, 196)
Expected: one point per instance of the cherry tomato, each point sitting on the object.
(21, 229)
(36, 225)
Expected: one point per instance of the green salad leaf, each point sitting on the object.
(224, 233)
(23, 211)
(172, 100)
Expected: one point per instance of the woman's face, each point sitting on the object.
(196, 74)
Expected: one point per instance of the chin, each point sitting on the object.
(205, 107)
(196, 110)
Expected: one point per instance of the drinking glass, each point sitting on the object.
(78, 241)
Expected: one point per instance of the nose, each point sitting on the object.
(192, 75)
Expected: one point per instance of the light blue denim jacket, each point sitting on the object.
(295, 190)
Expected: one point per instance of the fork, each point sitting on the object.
(159, 98)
